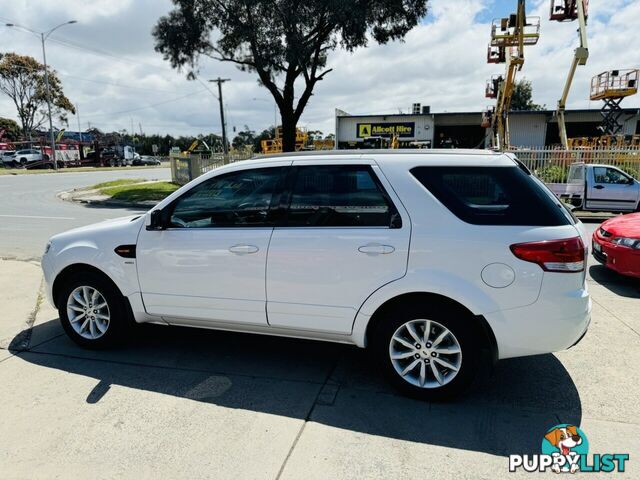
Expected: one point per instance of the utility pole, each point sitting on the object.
(220, 81)
(79, 128)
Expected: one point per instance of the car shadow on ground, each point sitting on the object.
(616, 283)
(331, 384)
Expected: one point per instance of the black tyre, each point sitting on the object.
(428, 352)
(92, 311)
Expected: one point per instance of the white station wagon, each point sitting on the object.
(435, 260)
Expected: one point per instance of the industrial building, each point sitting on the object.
(535, 129)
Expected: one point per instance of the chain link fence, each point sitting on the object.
(552, 166)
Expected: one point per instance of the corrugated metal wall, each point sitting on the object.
(527, 129)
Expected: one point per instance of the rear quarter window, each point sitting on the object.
(491, 195)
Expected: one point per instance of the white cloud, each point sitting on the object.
(441, 63)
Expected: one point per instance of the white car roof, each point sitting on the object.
(404, 157)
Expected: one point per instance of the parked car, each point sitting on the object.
(146, 160)
(616, 244)
(599, 188)
(28, 157)
(439, 261)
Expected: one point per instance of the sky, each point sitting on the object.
(110, 70)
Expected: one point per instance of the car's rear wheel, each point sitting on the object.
(92, 311)
(428, 352)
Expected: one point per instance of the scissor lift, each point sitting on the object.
(612, 87)
(509, 36)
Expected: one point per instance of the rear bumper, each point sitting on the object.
(556, 321)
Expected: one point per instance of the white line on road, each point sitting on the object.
(35, 216)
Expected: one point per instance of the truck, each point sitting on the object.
(126, 154)
(599, 188)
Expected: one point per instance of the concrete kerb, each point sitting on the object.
(94, 197)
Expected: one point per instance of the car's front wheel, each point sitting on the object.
(92, 311)
(428, 353)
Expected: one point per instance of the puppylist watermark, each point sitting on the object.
(565, 449)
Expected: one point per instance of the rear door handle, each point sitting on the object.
(376, 249)
(599, 187)
(243, 249)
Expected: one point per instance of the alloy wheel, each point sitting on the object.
(425, 353)
(88, 312)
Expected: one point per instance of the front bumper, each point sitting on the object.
(624, 260)
(47, 269)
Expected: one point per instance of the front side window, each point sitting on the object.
(491, 195)
(237, 199)
(609, 175)
(340, 196)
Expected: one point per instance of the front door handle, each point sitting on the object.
(243, 249)
(376, 249)
(599, 187)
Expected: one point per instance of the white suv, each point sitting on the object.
(436, 260)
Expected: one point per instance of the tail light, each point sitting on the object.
(565, 255)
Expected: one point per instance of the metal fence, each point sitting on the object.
(552, 166)
(185, 168)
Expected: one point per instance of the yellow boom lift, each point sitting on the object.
(509, 36)
(563, 11)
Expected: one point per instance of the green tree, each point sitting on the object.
(282, 41)
(268, 134)
(22, 79)
(522, 96)
(243, 138)
(9, 129)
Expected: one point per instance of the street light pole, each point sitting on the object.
(43, 38)
(46, 82)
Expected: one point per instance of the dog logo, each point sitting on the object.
(566, 441)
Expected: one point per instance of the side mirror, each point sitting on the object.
(156, 220)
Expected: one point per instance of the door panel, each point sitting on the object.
(344, 238)
(610, 189)
(193, 273)
(209, 263)
(317, 278)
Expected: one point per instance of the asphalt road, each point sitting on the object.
(30, 213)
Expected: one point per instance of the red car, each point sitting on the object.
(616, 244)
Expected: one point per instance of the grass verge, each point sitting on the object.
(115, 183)
(138, 192)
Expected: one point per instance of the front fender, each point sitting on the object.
(122, 271)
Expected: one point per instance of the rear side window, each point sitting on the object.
(491, 195)
(340, 196)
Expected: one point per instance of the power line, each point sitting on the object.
(119, 85)
(68, 43)
(146, 106)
